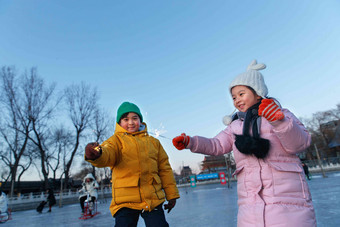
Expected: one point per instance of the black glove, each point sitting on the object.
(171, 204)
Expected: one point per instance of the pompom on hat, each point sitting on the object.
(251, 78)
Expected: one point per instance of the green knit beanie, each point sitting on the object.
(127, 107)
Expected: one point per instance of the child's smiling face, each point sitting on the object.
(244, 97)
(131, 122)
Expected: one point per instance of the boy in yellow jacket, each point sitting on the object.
(142, 177)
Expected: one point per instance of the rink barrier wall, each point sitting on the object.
(31, 200)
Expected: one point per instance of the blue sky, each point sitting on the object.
(175, 59)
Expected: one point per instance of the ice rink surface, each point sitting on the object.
(206, 205)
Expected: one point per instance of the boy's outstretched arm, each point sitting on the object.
(106, 154)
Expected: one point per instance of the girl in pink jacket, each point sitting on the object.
(271, 185)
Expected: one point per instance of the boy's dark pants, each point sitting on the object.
(126, 217)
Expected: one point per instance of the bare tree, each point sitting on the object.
(27, 164)
(60, 142)
(101, 128)
(81, 101)
(322, 127)
(15, 123)
(39, 104)
(84, 169)
(334, 113)
(104, 175)
(320, 119)
(102, 125)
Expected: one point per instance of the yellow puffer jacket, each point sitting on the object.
(141, 173)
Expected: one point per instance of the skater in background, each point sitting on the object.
(3, 202)
(306, 170)
(142, 177)
(50, 199)
(272, 190)
(90, 186)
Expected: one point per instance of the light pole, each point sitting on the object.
(319, 160)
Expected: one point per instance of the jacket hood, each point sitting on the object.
(89, 175)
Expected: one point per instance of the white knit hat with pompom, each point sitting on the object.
(251, 78)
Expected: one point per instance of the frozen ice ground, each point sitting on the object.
(206, 205)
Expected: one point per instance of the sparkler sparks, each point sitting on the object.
(159, 131)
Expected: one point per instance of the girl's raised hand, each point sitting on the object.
(270, 110)
(181, 142)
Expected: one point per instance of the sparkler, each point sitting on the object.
(158, 132)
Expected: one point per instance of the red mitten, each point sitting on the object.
(171, 204)
(270, 110)
(181, 142)
(93, 151)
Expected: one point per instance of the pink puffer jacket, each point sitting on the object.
(273, 191)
